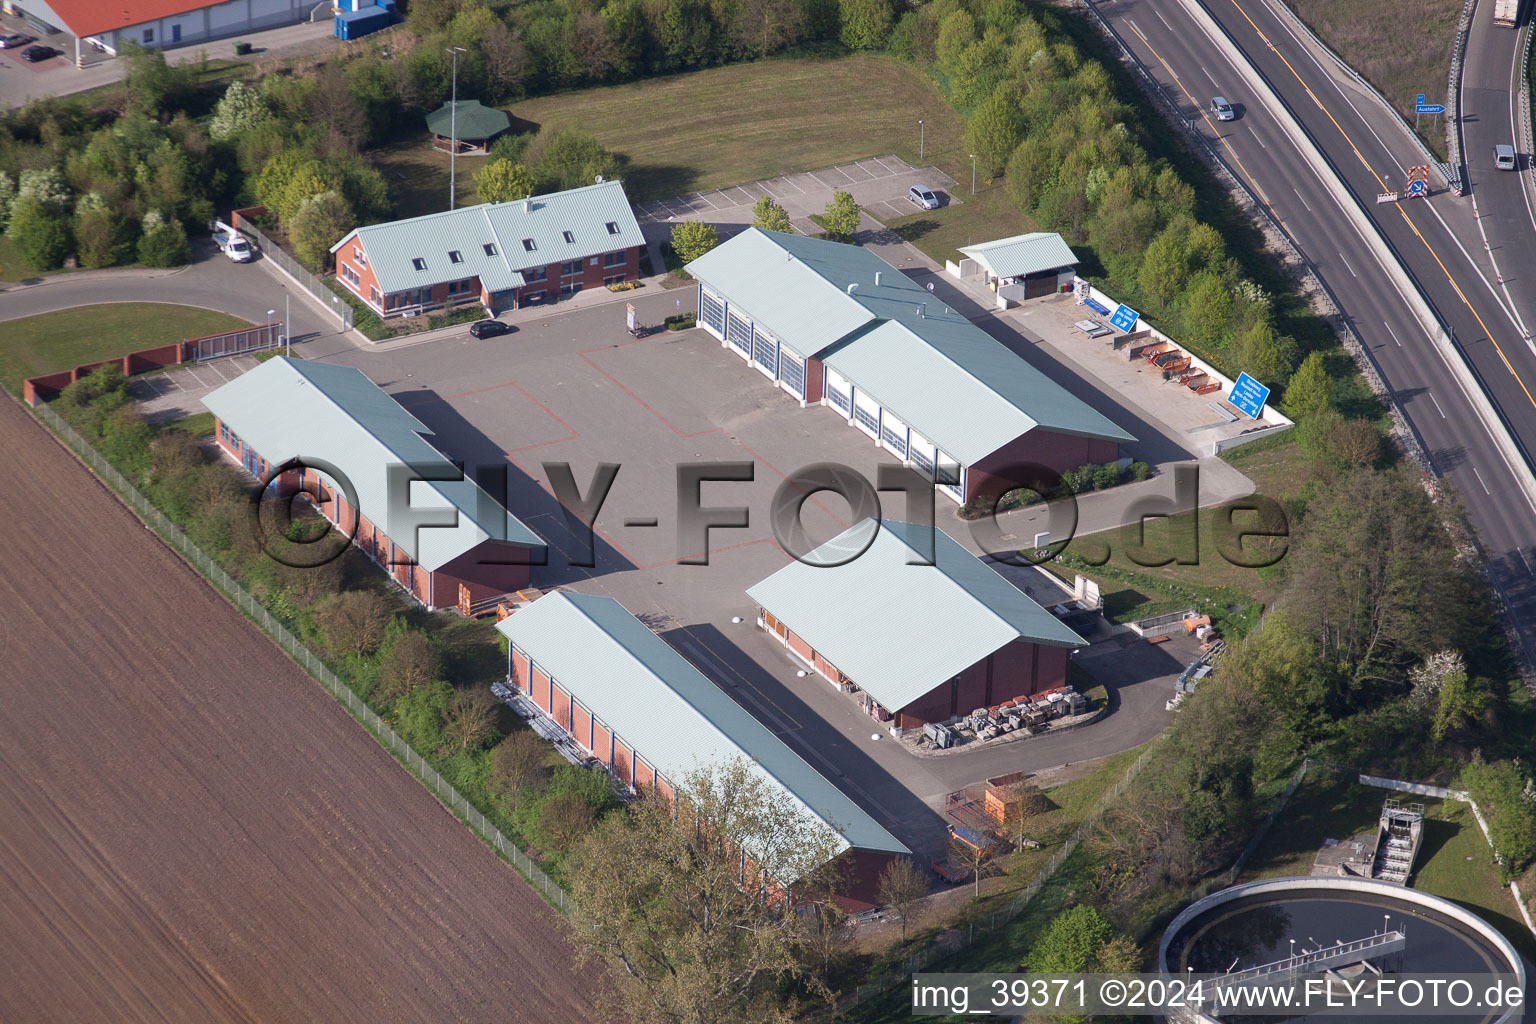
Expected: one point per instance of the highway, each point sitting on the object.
(1169, 38)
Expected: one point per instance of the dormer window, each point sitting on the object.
(454, 256)
(528, 245)
(569, 238)
(419, 263)
(613, 227)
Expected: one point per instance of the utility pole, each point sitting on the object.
(973, 174)
(453, 122)
(287, 322)
(921, 138)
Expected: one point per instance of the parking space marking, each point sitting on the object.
(827, 184)
(760, 186)
(882, 163)
(795, 184)
(744, 199)
(643, 404)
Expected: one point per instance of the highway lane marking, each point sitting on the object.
(1162, 19)
(1480, 480)
(1439, 410)
(1208, 75)
(1303, 201)
(1256, 136)
(1394, 336)
(1401, 212)
(1349, 268)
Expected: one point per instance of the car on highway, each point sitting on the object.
(1222, 109)
(11, 40)
(33, 54)
(1504, 157)
(489, 328)
(923, 196)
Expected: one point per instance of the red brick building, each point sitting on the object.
(925, 631)
(649, 716)
(502, 255)
(444, 541)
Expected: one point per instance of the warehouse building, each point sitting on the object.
(1025, 266)
(835, 325)
(502, 255)
(154, 23)
(288, 409)
(644, 711)
(919, 642)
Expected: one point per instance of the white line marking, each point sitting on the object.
(1303, 201)
(1480, 480)
(1439, 410)
(1392, 332)
(1348, 267)
(1256, 136)
(1161, 19)
(1208, 75)
(1526, 561)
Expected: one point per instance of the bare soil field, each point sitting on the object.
(190, 828)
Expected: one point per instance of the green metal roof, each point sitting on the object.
(665, 709)
(474, 120)
(930, 366)
(896, 628)
(298, 408)
(1022, 254)
(544, 220)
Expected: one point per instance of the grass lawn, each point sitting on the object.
(1400, 56)
(987, 214)
(417, 176)
(60, 341)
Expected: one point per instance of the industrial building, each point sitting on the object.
(652, 718)
(334, 416)
(916, 642)
(1024, 266)
(502, 255)
(155, 23)
(836, 325)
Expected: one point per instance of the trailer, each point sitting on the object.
(1506, 13)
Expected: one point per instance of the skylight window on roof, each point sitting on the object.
(490, 248)
(568, 236)
(455, 256)
(528, 244)
(613, 227)
(419, 263)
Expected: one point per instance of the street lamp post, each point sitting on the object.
(270, 314)
(287, 319)
(921, 137)
(973, 174)
(453, 129)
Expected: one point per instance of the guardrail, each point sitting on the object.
(242, 599)
(1527, 135)
(1453, 95)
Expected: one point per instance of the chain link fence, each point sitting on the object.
(290, 266)
(242, 599)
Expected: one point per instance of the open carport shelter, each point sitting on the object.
(924, 642)
(1036, 264)
(836, 325)
(287, 409)
(650, 716)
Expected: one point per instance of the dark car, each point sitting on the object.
(11, 40)
(33, 54)
(489, 328)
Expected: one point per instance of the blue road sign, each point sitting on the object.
(1430, 108)
(1124, 318)
(1417, 187)
(1248, 396)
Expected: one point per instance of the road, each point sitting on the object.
(1168, 38)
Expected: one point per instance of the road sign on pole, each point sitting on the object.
(1248, 396)
(1124, 318)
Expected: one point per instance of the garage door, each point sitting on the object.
(765, 354)
(1036, 285)
(893, 435)
(839, 392)
(792, 373)
(738, 332)
(714, 313)
(866, 414)
(922, 453)
(954, 473)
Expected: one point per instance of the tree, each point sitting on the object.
(519, 763)
(1310, 390)
(506, 59)
(7, 197)
(977, 861)
(692, 239)
(1265, 355)
(995, 128)
(1208, 308)
(864, 24)
(569, 158)
(1071, 943)
(163, 242)
(902, 885)
(353, 623)
(1507, 799)
(1033, 806)
(768, 215)
(319, 223)
(762, 27)
(502, 181)
(1459, 706)
(842, 216)
(154, 87)
(41, 237)
(408, 660)
(566, 819)
(419, 715)
(667, 913)
(469, 721)
(1164, 266)
(98, 232)
(47, 186)
(239, 111)
(1356, 443)
(592, 47)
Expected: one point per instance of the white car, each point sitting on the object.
(923, 196)
(1222, 109)
(1504, 157)
(13, 39)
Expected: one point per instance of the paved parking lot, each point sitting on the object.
(878, 184)
(176, 393)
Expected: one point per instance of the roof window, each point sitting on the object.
(419, 263)
(454, 256)
(490, 248)
(568, 236)
(613, 227)
(528, 245)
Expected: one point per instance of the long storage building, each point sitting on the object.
(836, 325)
(324, 414)
(629, 699)
(925, 632)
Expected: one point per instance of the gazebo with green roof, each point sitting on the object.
(476, 125)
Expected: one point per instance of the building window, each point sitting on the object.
(528, 245)
(615, 279)
(569, 238)
(373, 296)
(454, 256)
(490, 248)
(614, 259)
(419, 263)
(570, 287)
(536, 274)
(570, 268)
(613, 227)
(461, 287)
(149, 35)
(537, 296)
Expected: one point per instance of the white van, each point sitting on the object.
(1504, 157)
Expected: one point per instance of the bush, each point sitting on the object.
(692, 239)
(164, 242)
(681, 321)
(1106, 476)
(40, 235)
(1140, 471)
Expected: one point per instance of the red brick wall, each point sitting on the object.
(560, 707)
(366, 278)
(1018, 669)
(665, 791)
(540, 688)
(581, 726)
(519, 663)
(1060, 452)
(645, 775)
(799, 646)
(601, 742)
(826, 668)
(623, 763)
(813, 375)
